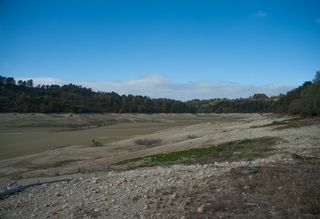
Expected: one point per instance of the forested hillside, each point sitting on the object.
(304, 100)
(23, 96)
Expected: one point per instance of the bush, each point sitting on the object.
(147, 142)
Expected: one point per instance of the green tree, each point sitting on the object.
(317, 77)
(10, 81)
(29, 83)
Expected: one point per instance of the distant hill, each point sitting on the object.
(23, 96)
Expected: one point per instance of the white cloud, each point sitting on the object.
(261, 13)
(158, 86)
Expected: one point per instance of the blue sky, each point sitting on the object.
(222, 48)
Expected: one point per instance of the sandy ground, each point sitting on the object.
(152, 192)
(219, 129)
(170, 128)
(24, 134)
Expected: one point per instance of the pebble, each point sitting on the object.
(173, 196)
(95, 181)
(201, 209)
(150, 189)
(64, 206)
(246, 187)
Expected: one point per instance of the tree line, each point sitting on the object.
(303, 100)
(23, 96)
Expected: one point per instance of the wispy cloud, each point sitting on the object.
(261, 13)
(158, 86)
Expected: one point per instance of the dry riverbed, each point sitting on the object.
(228, 166)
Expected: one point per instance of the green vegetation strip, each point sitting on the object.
(247, 149)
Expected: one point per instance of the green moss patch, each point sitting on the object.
(246, 150)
